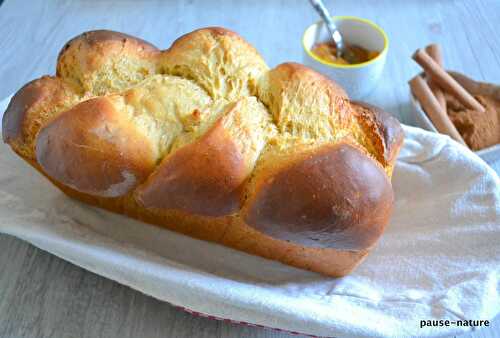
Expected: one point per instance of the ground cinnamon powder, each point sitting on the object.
(328, 52)
(478, 129)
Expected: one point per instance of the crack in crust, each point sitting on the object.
(205, 133)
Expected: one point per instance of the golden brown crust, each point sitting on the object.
(295, 93)
(331, 197)
(229, 231)
(221, 61)
(32, 107)
(293, 70)
(92, 39)
(105, 151)
(28, 96)
(383, 127)
(99, 61)
(214, 30)
(94, 149)
(201, 178)
(204, 177)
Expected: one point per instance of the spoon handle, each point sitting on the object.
(330, 25)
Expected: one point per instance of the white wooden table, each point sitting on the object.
(43, 296)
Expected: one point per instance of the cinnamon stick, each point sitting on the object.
(445, 81)
(431, 106)
(434, 51)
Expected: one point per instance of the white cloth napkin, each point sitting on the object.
(438, 259)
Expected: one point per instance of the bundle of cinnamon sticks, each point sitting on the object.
(430, 92)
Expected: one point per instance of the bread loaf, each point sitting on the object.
(204, 139)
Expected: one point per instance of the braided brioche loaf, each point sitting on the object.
(203, 138)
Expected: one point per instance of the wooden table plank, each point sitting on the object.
(43, 296)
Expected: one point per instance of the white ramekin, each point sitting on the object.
(358, 79)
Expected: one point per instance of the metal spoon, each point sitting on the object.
(341, 49)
